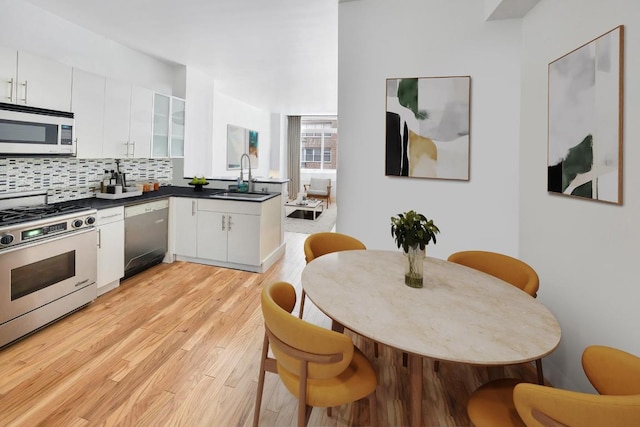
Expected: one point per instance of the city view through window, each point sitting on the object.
(319, 143)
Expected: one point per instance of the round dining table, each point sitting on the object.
(459, 315)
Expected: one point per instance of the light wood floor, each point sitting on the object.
(179, 345)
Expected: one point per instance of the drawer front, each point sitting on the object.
(234, 206)
(107, 216)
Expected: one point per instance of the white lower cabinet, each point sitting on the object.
(236, 234)
(228, 236)
(185, 225)
(110, 226)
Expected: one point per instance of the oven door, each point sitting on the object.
(39, 273)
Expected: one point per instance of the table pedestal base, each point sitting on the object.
(415, 390)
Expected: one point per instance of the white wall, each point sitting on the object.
(379, 39)
(278, 132)
(198, 147)
(26, 27)
(227, 110)
(585, 252)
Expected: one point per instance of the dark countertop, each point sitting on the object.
(161, 193)
(257, 180)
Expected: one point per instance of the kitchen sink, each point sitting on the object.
(232, 195)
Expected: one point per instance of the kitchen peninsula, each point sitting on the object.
(215, 227)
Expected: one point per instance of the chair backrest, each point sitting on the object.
(319, 244)
(542, 406)
(319, 183)
(302, 336)
(612, 371)
(504, 267)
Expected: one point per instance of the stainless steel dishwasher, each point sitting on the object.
(145, 235)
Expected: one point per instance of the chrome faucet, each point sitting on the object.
(250, 180)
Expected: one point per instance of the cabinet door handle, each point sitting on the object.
(230, 223)
(25, 84)
(193, 208)
(223, 225)
(99, 239)
(10, 97)
(133, 149)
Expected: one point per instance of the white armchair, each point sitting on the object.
(319, 188)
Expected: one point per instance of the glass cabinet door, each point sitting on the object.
(168, 126)
(161, 111)
(177, 127)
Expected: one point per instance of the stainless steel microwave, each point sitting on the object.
(32, 131)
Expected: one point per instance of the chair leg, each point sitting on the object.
(256, 411)
(302, 414)
(405, 359)
(302, 298)
(539, 370)
(373, 412)
(375, 349)
(303, 410)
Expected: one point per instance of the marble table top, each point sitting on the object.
(460, 315)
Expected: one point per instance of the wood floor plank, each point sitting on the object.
(179, 345)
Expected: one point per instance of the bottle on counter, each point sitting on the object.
(105, 181)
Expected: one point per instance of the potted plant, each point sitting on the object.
(413, 232)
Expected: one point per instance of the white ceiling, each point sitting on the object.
(280, 55)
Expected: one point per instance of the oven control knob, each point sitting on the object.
(77, 223)
(6, 239)
(90, 220)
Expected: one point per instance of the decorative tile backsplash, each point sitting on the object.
(67, 178)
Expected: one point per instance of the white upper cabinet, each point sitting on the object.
(8, 71)
(35, 81)
(87, 104)
(117, 112)
(113, 119)
(128, 112)
(43, 82)
(168, 126)
(141, 122)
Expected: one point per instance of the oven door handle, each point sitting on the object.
(47, 240)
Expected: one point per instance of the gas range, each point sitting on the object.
(26, 223)
(48, 262)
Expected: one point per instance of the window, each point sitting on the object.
(318, 143)
(314, 155)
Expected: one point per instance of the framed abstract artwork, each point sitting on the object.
(585, 120)
(427, 127)
(239, 142)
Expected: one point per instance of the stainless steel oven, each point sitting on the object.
(47, 270)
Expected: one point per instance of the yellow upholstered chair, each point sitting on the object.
(322, 368)
(504, 267)
(614, 373)
(319, 244)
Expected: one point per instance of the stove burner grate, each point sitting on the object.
(22, 214)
